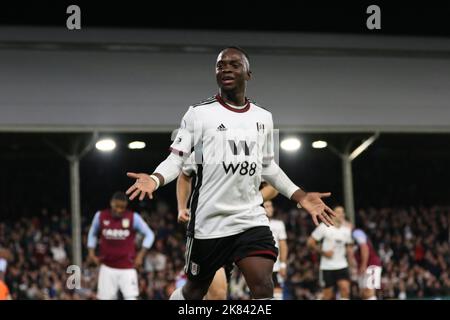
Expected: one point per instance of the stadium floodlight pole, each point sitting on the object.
(347, 175)
(75, 208)
(347, 181)
(75, 199)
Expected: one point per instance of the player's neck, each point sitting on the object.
(233, 98)
(115, 215)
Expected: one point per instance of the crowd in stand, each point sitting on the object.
(413, 244)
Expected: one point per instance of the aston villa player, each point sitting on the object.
(117, 258)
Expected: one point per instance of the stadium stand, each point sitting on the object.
(413, 244)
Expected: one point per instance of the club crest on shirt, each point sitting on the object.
(125, 223)
(195, 268)
(260, 127)
(106, 222)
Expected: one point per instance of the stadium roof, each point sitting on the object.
(143, 80)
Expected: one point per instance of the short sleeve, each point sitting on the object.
(349, 239)
(282, 235)
(319, 232)
(3, 265)
(359, 236)
(189, 168)
(184, 140)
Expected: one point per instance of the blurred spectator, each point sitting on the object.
(413, 244)
(154, 260)
(4, 291)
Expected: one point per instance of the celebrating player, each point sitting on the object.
(117, 229)
(233, 142)
(279, 234)
(369, 266)
(336, 252)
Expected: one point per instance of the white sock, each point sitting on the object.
(372, 298)
(343, 299)
(177, 295)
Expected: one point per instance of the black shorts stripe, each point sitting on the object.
(194, 201)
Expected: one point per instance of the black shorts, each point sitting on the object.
(205, 256)
(329, 278)
(228, 271)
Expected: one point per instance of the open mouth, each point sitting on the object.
(227, 80)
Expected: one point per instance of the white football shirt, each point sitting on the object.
(335, 239)
(279, 234)
(230, 146)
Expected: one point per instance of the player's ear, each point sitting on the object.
(249, 75)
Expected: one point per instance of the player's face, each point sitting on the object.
(231, 70)
(340, 214)
(269, 208)
(118, 207)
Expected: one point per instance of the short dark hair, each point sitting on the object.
(119, 195)
(240, 50)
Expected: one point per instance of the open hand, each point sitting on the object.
(312, 202)
(143, 186)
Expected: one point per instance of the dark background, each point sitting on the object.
(430, 18)
(397, 170)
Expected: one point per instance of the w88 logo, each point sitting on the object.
(242, 168)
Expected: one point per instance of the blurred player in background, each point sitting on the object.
(336, 252)
(368, 264)
(117, 228)
(237, 151)
(280, 237)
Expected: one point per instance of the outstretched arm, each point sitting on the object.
(146, 184)
(170, 168)
(310, 201)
